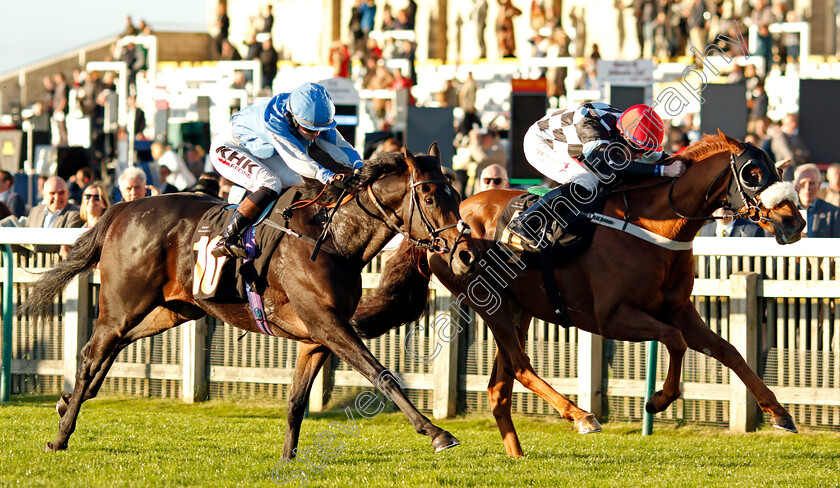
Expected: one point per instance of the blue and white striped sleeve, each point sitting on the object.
(339, 149)
(294, 155)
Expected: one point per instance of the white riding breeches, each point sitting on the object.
(560, 169)
(237, 164)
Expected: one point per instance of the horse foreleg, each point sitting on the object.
(631, 324)
(700, 338)
(343, 341)
(310, 360)
(662, 399)
(500, 390)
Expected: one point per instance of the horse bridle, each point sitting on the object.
(434, 242)
(738, 187)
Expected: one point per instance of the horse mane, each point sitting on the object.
(383, 165)
(707, 145)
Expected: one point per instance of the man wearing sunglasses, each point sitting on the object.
(590, 145)
(493, 177)
(265, 150)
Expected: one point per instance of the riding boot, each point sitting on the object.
(534, 226)
(230, 242)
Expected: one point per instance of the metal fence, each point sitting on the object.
(777, 304)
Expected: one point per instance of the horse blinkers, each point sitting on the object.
(752, 172)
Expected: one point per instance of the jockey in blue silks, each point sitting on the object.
(265, 150)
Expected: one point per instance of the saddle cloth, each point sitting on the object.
(223, 279)
(567, 243)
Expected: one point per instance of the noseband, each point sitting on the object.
(434, 242)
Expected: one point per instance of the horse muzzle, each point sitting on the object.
(789, 229)
(464, 254)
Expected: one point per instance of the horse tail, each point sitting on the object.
(401, 297)
(83, 257)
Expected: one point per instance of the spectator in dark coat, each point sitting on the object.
(55, 212)
(268, 59)
(823, 218)
(11, 199)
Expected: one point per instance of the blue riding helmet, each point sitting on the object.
(312, 107)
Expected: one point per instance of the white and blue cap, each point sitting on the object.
(312, 107)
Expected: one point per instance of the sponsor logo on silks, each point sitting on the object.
(237, 161)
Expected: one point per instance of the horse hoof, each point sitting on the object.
(588, 425)
(650, 406)
(784, 423)
(50, 447)
(62, 404)
(444, 441)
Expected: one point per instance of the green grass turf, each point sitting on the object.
(141, 442)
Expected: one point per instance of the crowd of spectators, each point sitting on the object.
(664, 29)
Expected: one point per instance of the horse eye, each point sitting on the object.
(430, 201)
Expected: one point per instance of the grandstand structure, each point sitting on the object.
(184, 83)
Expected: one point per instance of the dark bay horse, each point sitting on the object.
(621, 287)
(145, 257)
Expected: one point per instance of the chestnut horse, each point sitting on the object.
(621, 287)
(145, 255)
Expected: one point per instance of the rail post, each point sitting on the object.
(743, 334)
(8, 284)
(650, 385)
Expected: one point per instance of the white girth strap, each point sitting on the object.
(640, 232)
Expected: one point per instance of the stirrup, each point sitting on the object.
(520, 230)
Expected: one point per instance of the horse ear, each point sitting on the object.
(409, 159)
(434, 151)
(735, 145)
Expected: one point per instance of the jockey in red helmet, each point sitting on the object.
(588, 145)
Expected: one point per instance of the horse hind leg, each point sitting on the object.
(500, 391)
(309, 362)
(513, 347)
(97, 357)
(95, 354)
(96, 382)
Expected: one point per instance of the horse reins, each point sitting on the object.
(434, 243)
(752, 211)
(305, 203)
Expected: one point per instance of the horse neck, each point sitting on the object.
(362, 230)
(689, 196)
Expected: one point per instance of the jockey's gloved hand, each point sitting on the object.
(674, 170)
(345, 181)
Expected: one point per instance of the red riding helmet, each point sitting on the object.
(642, 128)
